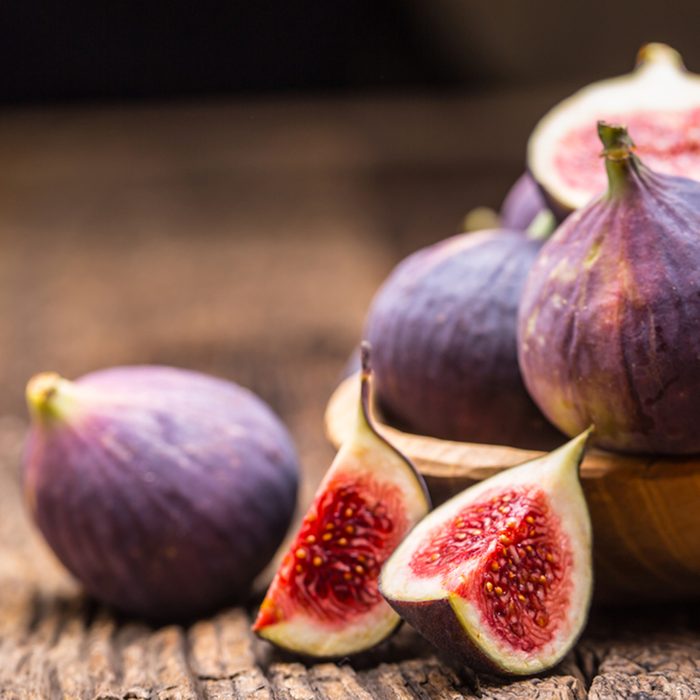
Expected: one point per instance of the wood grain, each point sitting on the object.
(54, 643)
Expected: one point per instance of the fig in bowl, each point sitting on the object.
(522, 204)
(609, 319)
(443, 334)
(164, 491)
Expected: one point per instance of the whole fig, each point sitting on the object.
(609, 328)
(443, 334)
(522, 203)
(164, 491)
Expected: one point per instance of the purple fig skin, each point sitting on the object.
(443, 335)
(609, 329)
(523, 202)
(164, 491)
(437, 622)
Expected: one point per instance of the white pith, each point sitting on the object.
(659, 84)
(306, 635)
(559, 479)
(364, 454)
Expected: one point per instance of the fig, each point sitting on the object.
(610, 316)
(659, 102)
(164, 491)
(499, 577)
(522, 203)
(443, 333)
(324, 600)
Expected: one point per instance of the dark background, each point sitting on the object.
(63, 51)
(223, 186)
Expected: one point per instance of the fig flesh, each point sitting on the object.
(324, 600)
(499, 576)
(609, 329)
(164, 491)
(443, 333)
(659, 102)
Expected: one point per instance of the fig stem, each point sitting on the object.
(44, 398)
(365, 379)
(542, 226)
(655, 54)
(618, 151)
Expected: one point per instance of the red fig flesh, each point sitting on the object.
(324, 600)
(659, 103)
(500, 575)
(610, 316)
(164, 491)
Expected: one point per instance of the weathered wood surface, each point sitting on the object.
(245, 240)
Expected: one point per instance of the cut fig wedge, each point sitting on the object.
(499, 577)
(324, 600)
(659, 102)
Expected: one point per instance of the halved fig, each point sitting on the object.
(659, 102)
(500, 575)
(324, 600)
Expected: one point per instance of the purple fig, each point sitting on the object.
(164, 491)
(609, 329)
(522, 204)
(443, 333)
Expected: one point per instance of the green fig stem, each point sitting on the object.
(581, 440)
(570, 456)
(480, 219)
(620, 161)
(656, 54)
(46, 396)
(542, 226)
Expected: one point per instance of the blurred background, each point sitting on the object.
(223, 186)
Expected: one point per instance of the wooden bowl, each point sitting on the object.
(645, 510)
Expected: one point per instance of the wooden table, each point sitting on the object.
(245, 239)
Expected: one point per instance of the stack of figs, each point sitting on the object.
(165, 492)
(518, 334)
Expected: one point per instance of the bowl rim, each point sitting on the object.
(449, 459)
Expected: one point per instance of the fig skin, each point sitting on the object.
(164, 491)
(443, 333)
(346, 616)
(608, 329)
(458, 625)
(522, 203)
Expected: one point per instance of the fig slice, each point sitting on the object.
(659, 102)
(499, 576)
(324, 600)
